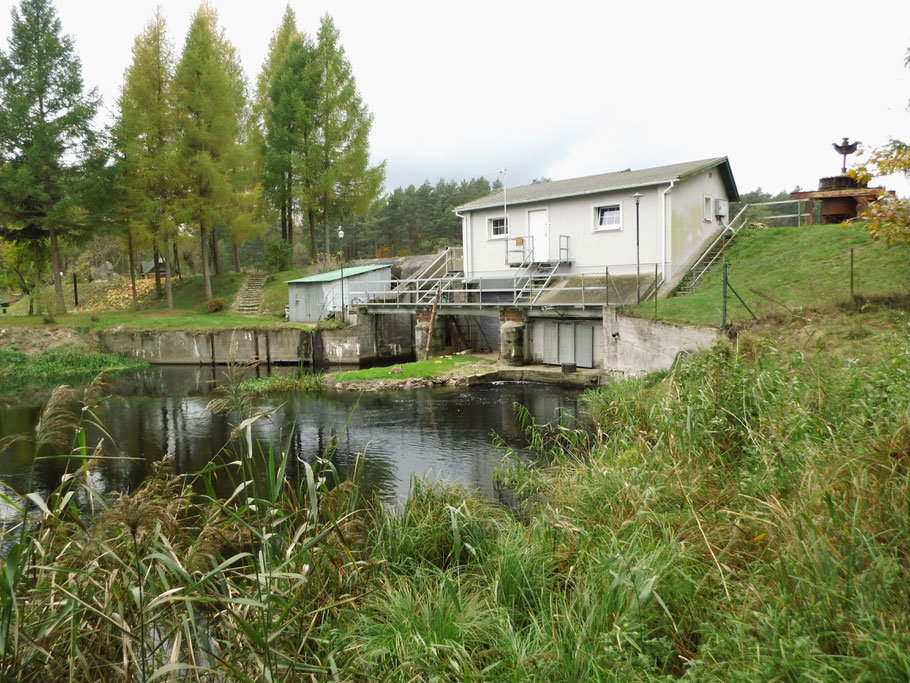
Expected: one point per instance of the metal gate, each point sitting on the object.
(569, 342)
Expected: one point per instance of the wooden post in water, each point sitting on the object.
(426, 353)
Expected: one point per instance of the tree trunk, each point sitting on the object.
(155, 258)
(290, 209)
(312, 216)
(177, 261)
(167, 273)
(32, 308)
(215, 259)
(205, 260)
(236, 258)
(58, 266)
(325, 222)
(284, 221)
(129, 247)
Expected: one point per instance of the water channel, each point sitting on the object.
(442, 432)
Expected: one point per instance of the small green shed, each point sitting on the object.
(310, 299)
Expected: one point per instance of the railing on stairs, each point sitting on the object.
(715, 250)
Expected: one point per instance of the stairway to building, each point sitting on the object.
(247, 300)
(708, 259)
(534, 282)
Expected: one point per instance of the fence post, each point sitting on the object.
(655, 291)
(852, 296)
(724, 323)
(582, 290)
(480, 290)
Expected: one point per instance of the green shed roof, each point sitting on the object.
(336, 274)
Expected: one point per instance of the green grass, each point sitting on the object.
(189, 313)
(419, 369)
(56, 366)
(784, 270)
(283, 384)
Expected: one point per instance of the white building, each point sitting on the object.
(584, 225)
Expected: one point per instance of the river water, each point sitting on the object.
(442, 432)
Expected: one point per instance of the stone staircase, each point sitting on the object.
(247, 299)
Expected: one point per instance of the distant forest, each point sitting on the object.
(414, 220)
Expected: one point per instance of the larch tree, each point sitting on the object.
(270, 126)
(205, 99)
(291, 139)
(45, 134)
(144, 136)
(343, 181)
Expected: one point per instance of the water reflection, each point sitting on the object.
(440, 432)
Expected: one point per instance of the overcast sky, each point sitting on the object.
(562, 89)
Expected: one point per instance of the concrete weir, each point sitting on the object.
(370, 340)
(609, 343)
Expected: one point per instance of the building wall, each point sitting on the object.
(689, 231)
(310, 302)
(591, 250)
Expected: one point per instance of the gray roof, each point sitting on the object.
(618, 180)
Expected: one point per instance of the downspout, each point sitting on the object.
(663, 220)
(466, 242)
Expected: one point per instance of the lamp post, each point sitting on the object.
(637, 196)
(340, 238)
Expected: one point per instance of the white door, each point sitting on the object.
(539, 230)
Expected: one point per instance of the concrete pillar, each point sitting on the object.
(611, 337)
(514, 338)
(422, 330)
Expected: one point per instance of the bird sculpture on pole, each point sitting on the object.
(844, 148)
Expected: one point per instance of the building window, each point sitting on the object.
(709, 209)
(498, 227)
(608, 217)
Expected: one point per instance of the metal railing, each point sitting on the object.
(519, 251)
(613, 286)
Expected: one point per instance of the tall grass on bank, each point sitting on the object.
(58, 365)
(165, 581)
(743, 517)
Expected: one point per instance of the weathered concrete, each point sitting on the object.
(634, 346)
(377, 338)
(512, 340)
(384, 337)
(205, 348)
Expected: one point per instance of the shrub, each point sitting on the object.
(278, 255)
(214, 305)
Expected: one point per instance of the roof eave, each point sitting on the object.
(567, 195)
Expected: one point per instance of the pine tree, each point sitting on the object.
(45, 134)
(343, 182)
(206, 102)
(145, 136)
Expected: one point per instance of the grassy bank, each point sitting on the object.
(419, 369)
(58, 365)
(779, 271)
(745, 516)
(189, 312)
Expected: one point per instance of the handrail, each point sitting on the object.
(728, 233)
